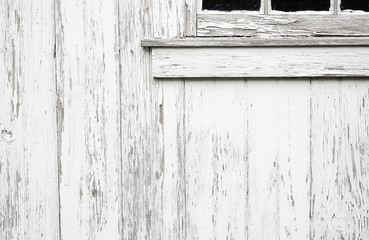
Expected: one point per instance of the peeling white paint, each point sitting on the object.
(92, 147)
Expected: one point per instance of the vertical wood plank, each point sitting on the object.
(340, 185)
(172, 110)
(216, 164)
(169, 20)
(164, 19)
(28, 147)
(191, 18)
(324, 139)
(278, 143)
(141, 131)
(294, 165)
(89, 119)
(144, 173)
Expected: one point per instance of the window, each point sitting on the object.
(355, 5)
(270, 38)
(278, 18)
(300, 5)
(281, 5)
(229, 5)
(284, 5)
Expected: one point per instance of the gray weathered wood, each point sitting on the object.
(147, 165)
(260, 62)
(191, 17)
(256, 42)
(291, 25)
(29, 207)
(89, 119)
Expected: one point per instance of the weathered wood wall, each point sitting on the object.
(92, 147)
(29, 207)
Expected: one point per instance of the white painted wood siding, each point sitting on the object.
(88, 98)
(29, 207)
(92, 147)
(264, 62)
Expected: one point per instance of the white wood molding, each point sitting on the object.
(282, 25)
(191, 18)
(255, 42)
(221, 62)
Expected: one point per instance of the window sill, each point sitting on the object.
(256, 42)
(246, 57)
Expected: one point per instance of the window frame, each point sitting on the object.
(337, 49)
(268, 23)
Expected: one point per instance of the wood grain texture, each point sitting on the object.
(260, 62)
(255, 42)
(174, 168)
(216, 160)
(339, 160)
(28, 148)
(146, 168)
(278, 156)
(191, 18)
(89, 120)
(286, 25)
(93, 147)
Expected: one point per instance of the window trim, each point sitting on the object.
(336, 45)
(265, 9)
(231, 42)
(259, 62)
(282, 25)
(275, 24)
(245, 57)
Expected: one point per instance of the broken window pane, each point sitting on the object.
(229, 5)
(355, 5)
(301, 5)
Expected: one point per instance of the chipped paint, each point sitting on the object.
(92, 147)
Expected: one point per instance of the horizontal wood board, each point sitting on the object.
(255, 42)
(282, 25)
(260, 62)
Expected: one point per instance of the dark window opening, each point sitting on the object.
(231, 5)
(355, 5)
(301, 5)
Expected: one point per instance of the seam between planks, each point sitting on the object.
(56, 5)
(310, 157)
(120, 114)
